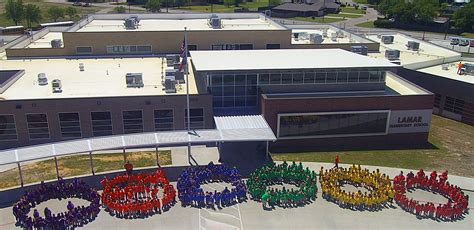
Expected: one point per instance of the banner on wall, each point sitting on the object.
(410, 121)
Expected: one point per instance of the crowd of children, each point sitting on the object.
(191, 193)
(457, 203)
(271, 174)
(74, 216)
(378, 184)
(138, 195)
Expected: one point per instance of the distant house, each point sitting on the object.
(306, 8)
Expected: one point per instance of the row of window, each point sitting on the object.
(70, 125)
(341, 124)
(454, 105)
(147, 49)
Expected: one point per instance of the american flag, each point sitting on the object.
(183, 55)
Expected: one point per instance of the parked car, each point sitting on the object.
(77, 4)
(87, 4)
(454, 41)
(463, 42)
(471, 43)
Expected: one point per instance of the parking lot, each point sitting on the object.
(447, 44)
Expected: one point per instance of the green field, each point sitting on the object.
(220, 8)
(76, 165)
(345, 15)
(361, 1)
(468, 35)
(44, 6)
(369, 24)
(451, 147)
(353, 10)
(317, 19)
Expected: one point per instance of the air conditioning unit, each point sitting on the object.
(134, 80)
(81, 66)
(392, 54)
(131, 22)
(215, 22)
(172, 59)
(445, 67)
(57, 86)
(56, 43)
(316, 38)
(42, 79)
(387, 39)
(362, 50)
(412, 45)
(170, 84)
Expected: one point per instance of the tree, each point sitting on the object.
(153, 5)
(32, 14)
(56, 13)
(229, 3)
(179, 3)
(14, 10)
(274, 2)
(71, 12)
(464, 18)
(120, 9)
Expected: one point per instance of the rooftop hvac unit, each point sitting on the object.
(445, 67)
(215, 22)
(316, 38)
(170, 84)
(412, 45)
(362, 50)
(81, 66)
(170, 71)
(42, 79)
(179, 76)
(387, 39)
(171, 59)
(131, 22)
(325, 33)
(56, 43)
(340, 34)
(134, 80)
(392, 54)
(57, 86)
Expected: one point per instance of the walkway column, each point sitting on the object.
(157, 159)
(57, 168)
(124, 156)
(21, 174)
(92, 163)
(266, 150)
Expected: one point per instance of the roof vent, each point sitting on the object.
(57, 86)
(134, 80)
(56, 43)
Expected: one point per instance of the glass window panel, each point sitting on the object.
(240, 91)
(353, 76)
(251, 79)
(240, 79)
(331, 77)
(228, 79)
(7, 128)
(363, 76)
(374, 76)
(217, 101)
(217, 91)
(342, 77)
(264, 79)
(216, 80)
(251, 90)
(309, 77)
(275, 78)
(320, 77)
(298, 78)
(286, 78)
(251, 101)
(239, 101)
(228, 101)
(229, 91)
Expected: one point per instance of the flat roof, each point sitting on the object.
(427, 51)
(45, 41)
(348, 38)
(223, 60)
(176, 24)
(450, 73)
(98, 74)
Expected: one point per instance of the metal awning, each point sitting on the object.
(229, 129)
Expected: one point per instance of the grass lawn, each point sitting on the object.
(353, 10)
(369, 24)
(453, 150)
(220, 8)
(79, 165)
(468, 35)
(361, 1)
(345, 15)
(44, 6)
(317, 19)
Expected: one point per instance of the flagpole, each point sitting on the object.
(187, 91)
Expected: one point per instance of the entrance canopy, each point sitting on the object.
(229, 129)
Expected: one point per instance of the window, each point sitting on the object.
(246, 47)
(129, 49)
(309, 77)
(37, 126)
(197, 117)
(374, 76)
(437, 100)
(454, 105)
(342, 77)
(192, 47)
(273, 46)
(70, 125)
(132, 121)
(7, 128)
(101, 123)
(164, 120)
(83, 50)
(339, 124)
(263, 79)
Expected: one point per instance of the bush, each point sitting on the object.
(383, 23)
(120, 9)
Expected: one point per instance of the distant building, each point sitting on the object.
(307, 8)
